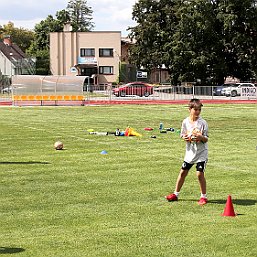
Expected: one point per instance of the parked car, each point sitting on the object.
(134, 88)
(235, 90)
(218, 90)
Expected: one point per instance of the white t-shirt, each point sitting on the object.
(195, 151)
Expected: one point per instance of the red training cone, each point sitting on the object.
(229, 209)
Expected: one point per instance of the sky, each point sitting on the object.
(108, 15)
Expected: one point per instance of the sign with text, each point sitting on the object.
(142, 74)
(87, 60)
(249, 91)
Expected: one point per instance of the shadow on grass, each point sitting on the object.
(8, 250)
(244, 202)
(235, 201)
(29, 162)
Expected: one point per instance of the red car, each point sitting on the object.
(134, 88)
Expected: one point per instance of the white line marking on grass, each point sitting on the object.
(39, 129)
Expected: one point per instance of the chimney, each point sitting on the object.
(7, 40)
(67, 27)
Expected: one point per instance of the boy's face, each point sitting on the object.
(195, 112)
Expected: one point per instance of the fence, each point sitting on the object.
(68, 92)
(162, 93)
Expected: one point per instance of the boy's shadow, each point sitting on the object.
(244, 202)
(9, 250)
(25, 162)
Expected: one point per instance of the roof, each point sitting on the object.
(127, 40)
(12, 51)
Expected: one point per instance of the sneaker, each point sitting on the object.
(171, 197)
(202, 201)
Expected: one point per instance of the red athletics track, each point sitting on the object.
(138, 102)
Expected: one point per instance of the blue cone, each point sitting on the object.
(103, 152)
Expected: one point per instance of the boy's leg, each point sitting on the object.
(200, 167)
(181, 179)
(202, 182)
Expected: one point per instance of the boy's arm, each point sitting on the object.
(183, 133)
(204, 137)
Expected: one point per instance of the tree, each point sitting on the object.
(20, 36)
(239, 35)
(42, 32)
(192, 42)
(40, 46)
(196, 40)
(149, 34)
(80, 15)
(77, 13)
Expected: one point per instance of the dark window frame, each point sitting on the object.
(83, 52)
(106, 52)
(102, 70)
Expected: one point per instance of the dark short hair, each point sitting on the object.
(195, 103)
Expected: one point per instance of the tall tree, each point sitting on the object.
(80, 15)
(77, 13)
(198, 39)
(150, 33)
(192, 42)
(42, 32)
(239, 35)
(40, 46)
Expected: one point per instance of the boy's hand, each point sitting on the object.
(194, 138)
(199, 138)
(186, 137)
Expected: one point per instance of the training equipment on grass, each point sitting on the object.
(148, 129)
(103, 152)
(229, 209)
(119, 133)
(99, 133)
(131, 132)
(128, 132)
(58, 145)
(115, 133)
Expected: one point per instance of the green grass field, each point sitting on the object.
(78, 202)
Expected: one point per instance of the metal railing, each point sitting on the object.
(105, 93)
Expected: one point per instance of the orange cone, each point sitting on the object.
(229, 209)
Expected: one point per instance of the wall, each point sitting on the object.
(65, 51)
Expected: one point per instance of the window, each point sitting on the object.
(105, 52)
(88, 71)
(106, 69)
(86, 52)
